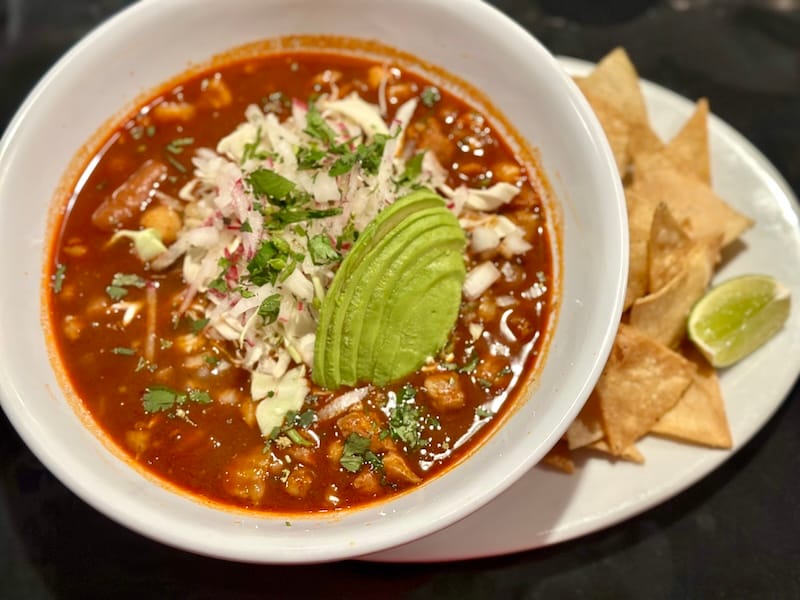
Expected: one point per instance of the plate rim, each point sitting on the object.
(788, 202)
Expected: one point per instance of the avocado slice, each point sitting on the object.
(373, 233)
(400, 286)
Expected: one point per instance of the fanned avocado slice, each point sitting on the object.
(373, 233)
(417, 244)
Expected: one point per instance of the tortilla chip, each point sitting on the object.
(560, 458)
(667, 249)
(695, 206)
(689, 150)
(699, 416)
(631, 453)
(587, 426)
(615, 80)
(643, 140)
(640, 219)
(662, 315)
(641, 381)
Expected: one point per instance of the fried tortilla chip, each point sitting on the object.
(631, 453)
(695, 206)
(640, 219)
(615, 80)
(667, 248)
(699, 416)
(643, 140)
(560, 458)
(662, 315)
(642, 380)
(587, 426)
(689, 150)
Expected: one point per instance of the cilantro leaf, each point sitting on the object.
(343, 164)
(309, 158)
(123, 351)
(284, 217)
(198, 325)
(353, 454)
(317, 127)
(413, 169)
(58, 277)
(404, 419)
(270, 308)
(430, 96)
(176, 146)
(116, 292)
(268, 183)
(199, 396)
(159, 398)
(322, 251)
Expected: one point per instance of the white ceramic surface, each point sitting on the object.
(546, 507)
(156, 39)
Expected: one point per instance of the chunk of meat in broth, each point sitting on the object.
(123, 207)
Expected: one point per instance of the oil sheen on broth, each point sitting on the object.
(175, 393)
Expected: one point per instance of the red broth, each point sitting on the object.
(214, 450)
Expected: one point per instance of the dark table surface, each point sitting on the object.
(735, 534)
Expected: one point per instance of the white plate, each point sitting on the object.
(546, 507)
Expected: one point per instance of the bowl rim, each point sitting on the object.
(53, 462)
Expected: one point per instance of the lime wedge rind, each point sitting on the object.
(737, 317)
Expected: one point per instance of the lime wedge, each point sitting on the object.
(736, 317)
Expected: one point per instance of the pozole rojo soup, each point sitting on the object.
(302, 281)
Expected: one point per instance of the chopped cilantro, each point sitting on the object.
(404, 419)
(284, 217)
(159, 398)
(123, 351)
(128, 279)
(430, 96)
(343, 164)
(270, 308)
(353, 454)
(309, 157)
(272, 257)
(471, 364)
(412, 170)
(219, 284)
(211, 359)
(58, 277)
(251, 148)
(176, 146)
(484, 383)
(267, 183)
(317, 127)
(199, 396)
(504, 371)
(116, 292)
(322, 251)
(197, 325)
(305, 419)
(175, 163)
(483, 413)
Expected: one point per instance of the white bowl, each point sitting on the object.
(155, 40)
